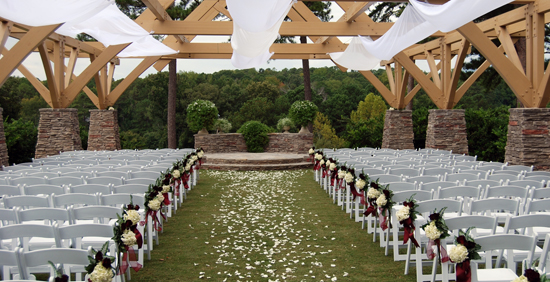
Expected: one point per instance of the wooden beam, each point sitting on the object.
(110, 77)
(157, 9)
(50, 76)
(59, 65)
(451, 90)
(70, 66)
(124, 84)
(351, 14)
(5, 29)
(76, 86)
(391, 81)
(433, 68)
(508, 45)
(431, 89)
(513, 77)
(382, 89)
(22, 49)
(543, 89)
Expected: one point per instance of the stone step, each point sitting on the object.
(248, 166)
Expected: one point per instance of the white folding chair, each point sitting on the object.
(91, 188)
(26, 201)
(527, 225)
(104, 180)
(40, 258)
(43, 189)
(74, 199)
(9, 259)
(66, 180)
(499, 243)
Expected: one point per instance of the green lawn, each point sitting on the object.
(265, 226)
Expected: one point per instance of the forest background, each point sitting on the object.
(351, 109)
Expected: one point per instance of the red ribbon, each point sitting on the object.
(463, 271)
(185, 180)
(156, 223)
(371, 209)
(166, 200)
(342, 184)
(324, 173)
(356, 194)
(383, 220)
(176, 186)
(129, 257)
(442, 252)
(317, 166)
(408, 226)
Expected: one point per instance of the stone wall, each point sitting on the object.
(58, 131)
(103, 134)
(398, 130)
(528, 140)
(289, 143)
(447, 131)
(234, 142)
(4, 158)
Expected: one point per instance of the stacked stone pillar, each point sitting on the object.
(447, 131)
(4, 158)
(528, 140)
(58, 131)
(103, 134)
(398, 130)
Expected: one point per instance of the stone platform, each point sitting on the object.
(255, 161)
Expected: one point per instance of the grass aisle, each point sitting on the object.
(265, 226)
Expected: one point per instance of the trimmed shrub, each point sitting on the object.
(255, 135)
(201, 114)
(302, 112)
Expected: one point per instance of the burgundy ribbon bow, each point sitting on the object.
(463, 271)
(442, 251)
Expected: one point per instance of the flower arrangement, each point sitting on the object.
(100, 269)
(318, 156)
(126, 235)
(464, 250)
(59, 275)
(201, 114)
(333, 170)
(222, 125)
(284, 122)
(406, 216)
(153, 204)
(436, 230)
(385, 205)
(360, 183)
(302, 112)
(531, 275)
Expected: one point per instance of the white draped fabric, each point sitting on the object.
(100, 19)
(256, 25)
(44, 12)
(417, 22)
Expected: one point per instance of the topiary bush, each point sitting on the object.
(222, 125)
(284, 122)
(255, 135)
(201, 114)
(302, 112)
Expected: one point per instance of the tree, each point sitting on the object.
(324, 135)
(371, 107)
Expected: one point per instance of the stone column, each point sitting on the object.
(528, 140)
(398, 130)
(447, 131)
(103, 134)
(4, 159)
(58, 131)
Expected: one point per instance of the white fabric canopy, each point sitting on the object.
(356, 57)
(48, 12)
(256, 25)
(455, 13)
(417, 22)
(100, 19)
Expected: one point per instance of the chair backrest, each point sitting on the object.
(507, 191)
(78, 231)
(130, 189)
(122, 199)
(116, 174)
(50, 215)
(437, 171)
(24, 232)
(419, 196)
(26, 201)
(424, 179)
(28, 180)
(386, 178)
(66, 180)
(91, 188)
(466, 221)
(43, 174)
(78, 199)
(141, 181)
(523, 224)
(105, 180)
(459, 192)
(100, 214)
(460, 177)
(538, 178)
(62, 170)
(540, 172)
(483, 183)
(146, 174)
(409, 172)
(8, 216)
(544, 255)
(10, 190)
(488, 206)
(507, 172)
(10, 258)
(537, 205)
(525, 183)
(427, 207)
(435, 185)
(504, 177)
(368, 170)
(78, 174)
(43, 189)
(539, 193)
(401, 186)
(487, 167)
(57, 256)
(517, 168)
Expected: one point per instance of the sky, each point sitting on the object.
(34, 64)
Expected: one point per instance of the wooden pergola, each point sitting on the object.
(528, 20)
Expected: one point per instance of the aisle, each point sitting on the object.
(265, 226)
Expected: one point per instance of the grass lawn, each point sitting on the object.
(265, 226)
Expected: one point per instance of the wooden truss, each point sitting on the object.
(444, 55)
